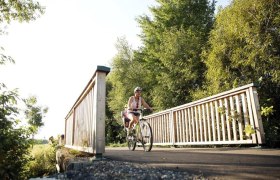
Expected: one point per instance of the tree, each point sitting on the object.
(172, 42)
(182, 69)
(126, 74)
(244, 48)
(14, 142)
(14, 139)
(25, 10)
(34, 114)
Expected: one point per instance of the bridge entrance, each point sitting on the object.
(231, 117)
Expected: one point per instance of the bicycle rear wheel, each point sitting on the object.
(147, 136)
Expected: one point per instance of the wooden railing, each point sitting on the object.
(219, 119)
(85, 122)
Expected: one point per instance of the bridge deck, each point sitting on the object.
(220, 163)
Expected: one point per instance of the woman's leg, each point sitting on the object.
(133, 120)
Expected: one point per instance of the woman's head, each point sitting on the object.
(137, 91)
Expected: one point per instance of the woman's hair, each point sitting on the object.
(137, 89)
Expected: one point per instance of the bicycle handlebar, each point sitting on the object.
(140, 109)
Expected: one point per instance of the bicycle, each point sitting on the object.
(141, 133)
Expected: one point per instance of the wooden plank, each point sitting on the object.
(187, 127)
(177, 126)
(156, 131)
(73, 127)
(245, 111)
(165, 126)
(238, 109)
(200, 123)
(213, 121)
(190, 124)
(91, 118)
(208, 122)
(172, 126)
(215, 143)
(251, 117)
(169, 128)
(233, 120)
(217, 120)
(161, 128)
(166, 122)
(183, 125)
(196, 123)
(193, 125)
(204, 122)
(180, 126)
(222, 114)
(227, 120)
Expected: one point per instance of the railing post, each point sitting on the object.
(172, 127)
(257, 116)
(99, 111)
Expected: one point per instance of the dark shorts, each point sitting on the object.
(135, 113)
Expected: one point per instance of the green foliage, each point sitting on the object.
(42, 161)
(249, 130)
(121, 77)
(40, 141)
(4, 58)
(266, 111)
(222, 110)
(126, 74)
(14, 140)
(114, 132)
(244, 48)
(34, 114)
(117, 145)
(74, 152)
(25, 10)
(183, 59)
(179, 57)
(243, 45)
(173, 40)
(113, 127)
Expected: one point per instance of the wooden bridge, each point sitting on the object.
(219, 119)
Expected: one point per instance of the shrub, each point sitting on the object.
(42, 161)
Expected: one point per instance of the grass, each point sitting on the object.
(117, 145)
(42, 160)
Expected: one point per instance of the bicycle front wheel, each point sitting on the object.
(131, 142)
(147, 136)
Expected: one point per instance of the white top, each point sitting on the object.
(135, 104)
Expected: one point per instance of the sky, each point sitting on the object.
(57, 54)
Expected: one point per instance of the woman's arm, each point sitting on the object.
(129, 104)
(146, 105)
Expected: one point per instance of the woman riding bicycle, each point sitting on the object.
(135, 102)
